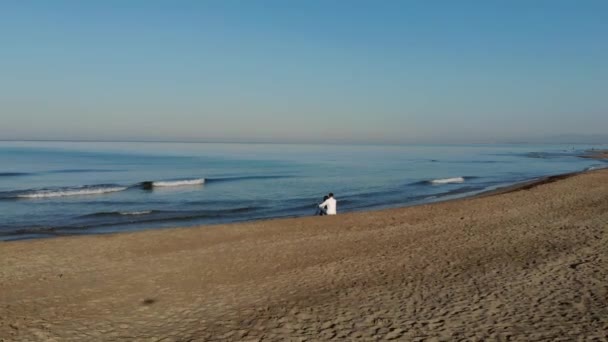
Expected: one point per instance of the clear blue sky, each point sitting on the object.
(338, 71)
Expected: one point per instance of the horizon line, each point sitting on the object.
(295, 143)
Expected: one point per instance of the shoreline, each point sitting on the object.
(522, 185)
(595, 154)
(530, 184)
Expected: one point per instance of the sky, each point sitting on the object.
(303, 70)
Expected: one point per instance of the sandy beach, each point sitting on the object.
(524, 265)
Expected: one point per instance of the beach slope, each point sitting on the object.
(527, 265)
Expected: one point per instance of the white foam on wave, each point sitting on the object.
(135, 213)
(596, 167)
(196, 181)
(71, 192)
(448, 180)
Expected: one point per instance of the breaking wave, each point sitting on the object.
(135, 213)
(70, 191)
(120, 213)
(109, 188)
(169, 183)
(439, 181)
(448, 180)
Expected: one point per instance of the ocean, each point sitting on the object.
(52, 189)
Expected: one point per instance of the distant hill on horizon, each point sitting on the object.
(566, 139)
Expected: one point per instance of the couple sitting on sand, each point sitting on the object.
(328, 207)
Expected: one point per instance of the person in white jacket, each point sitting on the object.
(330, 205)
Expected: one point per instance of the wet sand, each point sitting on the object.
(596, 154)
(528, 264)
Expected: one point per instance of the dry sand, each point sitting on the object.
(525, 265)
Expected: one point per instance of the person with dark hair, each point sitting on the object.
(322, 211)
(330, 205)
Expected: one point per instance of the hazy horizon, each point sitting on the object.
(551, 140)
(305, 71)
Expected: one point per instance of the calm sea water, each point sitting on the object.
(62, 188)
